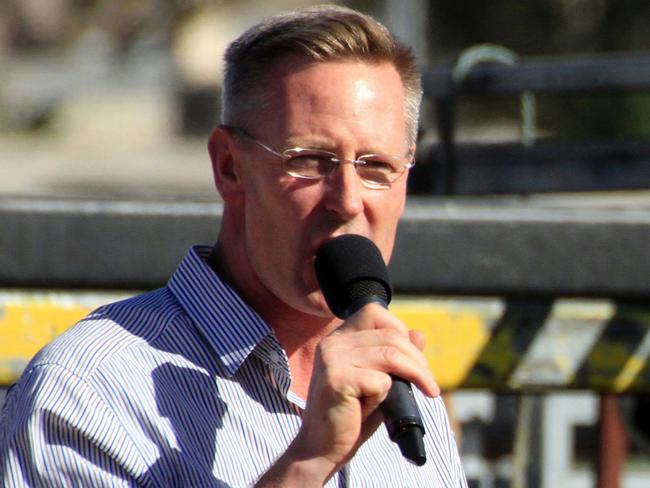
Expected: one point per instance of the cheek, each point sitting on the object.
(274, 219)
(385, 213)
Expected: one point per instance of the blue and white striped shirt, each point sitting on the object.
(181, 386)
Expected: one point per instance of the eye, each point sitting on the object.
(376, 168)
(376, 164)
(309, 163)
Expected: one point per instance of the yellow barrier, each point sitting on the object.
(471, 342)
(29, 320)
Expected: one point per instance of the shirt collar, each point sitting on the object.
(231, 327)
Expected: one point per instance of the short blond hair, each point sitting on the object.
(319, 34)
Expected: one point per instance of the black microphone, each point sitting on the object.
(351, 273)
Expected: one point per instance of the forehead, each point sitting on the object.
(328, 98)
(315, 85)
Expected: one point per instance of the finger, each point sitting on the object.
(417, 338)
(406, 362)
(374, 389)
(369, 337)
(372, 316)
(349, 359)
(391, 360)
(384, 350)
(376, 339)
(345, 345)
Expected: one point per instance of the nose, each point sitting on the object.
(345, 191)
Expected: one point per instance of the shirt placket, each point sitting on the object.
(280, 378)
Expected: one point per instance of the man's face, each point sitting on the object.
(351, 109)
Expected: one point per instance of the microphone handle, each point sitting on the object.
(401, 415)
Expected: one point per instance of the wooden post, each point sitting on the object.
(613, 443)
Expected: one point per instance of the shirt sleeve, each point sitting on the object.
(56, 431)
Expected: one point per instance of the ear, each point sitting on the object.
(225, 164)
(412, 148)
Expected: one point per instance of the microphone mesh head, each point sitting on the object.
(350, 268)
(359, 290)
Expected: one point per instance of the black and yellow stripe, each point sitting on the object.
(486, 343)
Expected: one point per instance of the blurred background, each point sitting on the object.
(111, 99)
(114, 100)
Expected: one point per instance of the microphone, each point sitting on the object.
(351, 273)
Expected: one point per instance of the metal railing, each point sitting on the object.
(447, 167)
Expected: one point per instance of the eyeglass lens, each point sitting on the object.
(318, 165)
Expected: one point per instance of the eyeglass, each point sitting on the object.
(377, 171)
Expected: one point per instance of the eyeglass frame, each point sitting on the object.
(334, 158)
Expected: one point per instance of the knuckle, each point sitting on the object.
(390, 335)
(385, 382)
(379, 383)
(324, 360)
(336, 382)
(327, 356)
(390, 354)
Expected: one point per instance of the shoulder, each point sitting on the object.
(108, 384)
(106, 355)
(108, 332)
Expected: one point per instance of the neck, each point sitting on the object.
(300, 341)
(298, 332)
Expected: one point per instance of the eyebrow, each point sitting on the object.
(325, 144)
(321, 143)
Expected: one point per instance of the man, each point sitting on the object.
(236, 373)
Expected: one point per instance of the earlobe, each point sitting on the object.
(223, 154)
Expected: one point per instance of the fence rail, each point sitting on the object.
(604, 73)
(484, 247)
(449, 167)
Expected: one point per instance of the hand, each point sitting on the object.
(349, 380)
